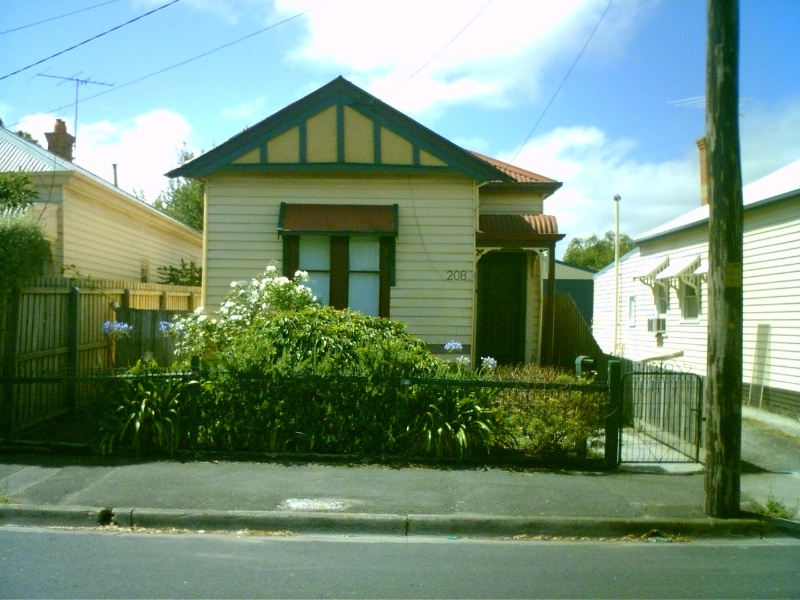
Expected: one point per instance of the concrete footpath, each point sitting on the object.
(362, 498)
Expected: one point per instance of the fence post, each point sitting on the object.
(9, 366)
(73, 342)
(614, 416)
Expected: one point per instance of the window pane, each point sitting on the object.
(363, 293)
(365, 254)
(315, 253)
(320, 284)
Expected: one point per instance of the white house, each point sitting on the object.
(663, 295)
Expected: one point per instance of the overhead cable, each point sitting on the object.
(563, 81)
(89, 40)
(74, 12)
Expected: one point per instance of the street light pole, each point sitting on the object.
(617, 198)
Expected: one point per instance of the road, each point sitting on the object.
(38, 563)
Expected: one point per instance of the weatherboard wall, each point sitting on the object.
(771, 297)
(435, 246)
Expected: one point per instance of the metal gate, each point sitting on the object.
(662, 417)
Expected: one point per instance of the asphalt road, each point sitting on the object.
(37, 563)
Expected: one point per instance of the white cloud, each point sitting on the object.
(594, 169)
(503, 52)
(143, 148)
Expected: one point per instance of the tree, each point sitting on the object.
(24, 251)
(16, 191)
(183, 200)
(725, 250)
(596, 253)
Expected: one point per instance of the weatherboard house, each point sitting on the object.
(663, 299)
(95, 228)
(388, 218)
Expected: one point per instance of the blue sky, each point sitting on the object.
(488, 75)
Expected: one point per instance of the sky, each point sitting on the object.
(604, 96)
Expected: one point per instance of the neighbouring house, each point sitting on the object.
(96, 229)
(578, 283)
(388, 218)
(663, 298)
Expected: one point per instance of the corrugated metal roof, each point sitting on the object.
(519, 174)
(517, 225)
(18, 154)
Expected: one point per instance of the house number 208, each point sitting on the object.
(456, 275)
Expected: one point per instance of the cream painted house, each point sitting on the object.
(96, 229)
(663, 300)
(388, 218)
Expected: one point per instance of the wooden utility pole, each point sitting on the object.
(724, 381)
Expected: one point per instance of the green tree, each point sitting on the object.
(183, 199)
(24, 251)
(16, 191)
(594, 252)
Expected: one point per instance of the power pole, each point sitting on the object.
(724, 381)
(78, 83)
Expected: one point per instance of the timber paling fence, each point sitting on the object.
(608, 429)
(54, 326)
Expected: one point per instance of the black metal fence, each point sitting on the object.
(518, 395)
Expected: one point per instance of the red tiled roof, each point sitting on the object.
(521, 175)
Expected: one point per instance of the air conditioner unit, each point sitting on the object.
(657, 325)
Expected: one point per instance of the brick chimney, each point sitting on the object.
(59, 141)
(701, 146)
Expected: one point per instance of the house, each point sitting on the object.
(96, 229)
(388, 218)
(663, 298)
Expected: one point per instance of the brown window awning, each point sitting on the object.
(338, 220)
(517, 230)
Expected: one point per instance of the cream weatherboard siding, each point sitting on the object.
(772, 290)
(509, 202)
(435, 238)
(117, 240)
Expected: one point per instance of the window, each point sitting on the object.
(344, 272)
(690, 300)
(347, 250)
(661, 293)
(631, 311)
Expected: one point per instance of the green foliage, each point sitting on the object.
(24, 251)
(16, 191)
(596, 253)
(144, 412)
(774, 508)
(551, 423)
(186, 274)
(184, 199)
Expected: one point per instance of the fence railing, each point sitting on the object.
(55, 326)
(526, 394)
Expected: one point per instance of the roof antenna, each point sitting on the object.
(78, 84)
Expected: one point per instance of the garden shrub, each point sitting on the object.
(24, 250)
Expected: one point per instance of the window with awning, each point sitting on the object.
(347, 250)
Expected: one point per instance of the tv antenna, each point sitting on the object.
(78, 83)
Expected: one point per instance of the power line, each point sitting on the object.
(563, 81)
(188, 60)
(447, 45)
(89, 40)
(74, 12)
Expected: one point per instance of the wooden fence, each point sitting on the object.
(53, 328)
(573, 337)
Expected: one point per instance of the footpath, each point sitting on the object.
(271, 496)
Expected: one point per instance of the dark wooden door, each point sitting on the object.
(501, 307)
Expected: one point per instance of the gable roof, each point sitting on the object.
(327, 107)
(778, 185)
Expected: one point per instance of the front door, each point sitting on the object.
(501, 307)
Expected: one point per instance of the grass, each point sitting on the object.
(773, 508)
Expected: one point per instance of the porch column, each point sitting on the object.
(548, 329)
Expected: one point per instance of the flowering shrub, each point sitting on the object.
(247, 306)
(116, 329)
